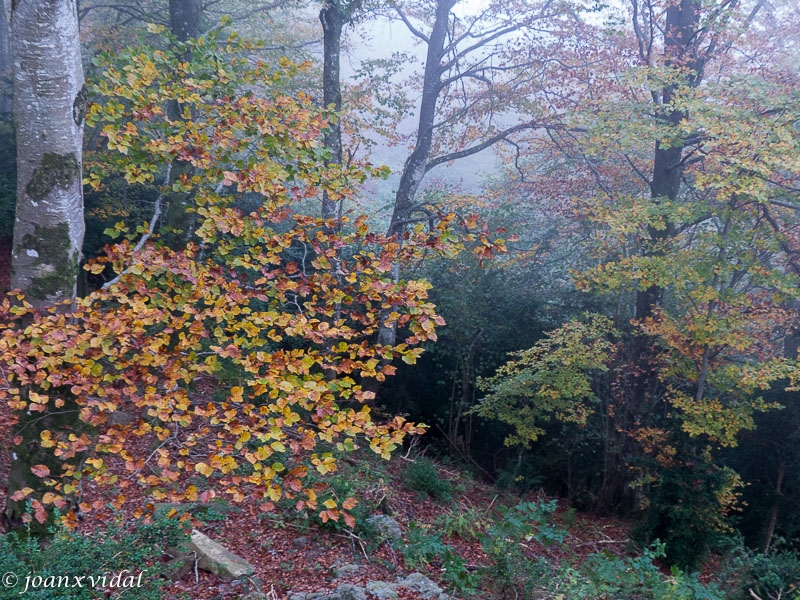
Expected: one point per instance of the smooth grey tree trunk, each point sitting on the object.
(332, 18)
(417, 163)
(49, 107)
(184, 18)
(6, 94)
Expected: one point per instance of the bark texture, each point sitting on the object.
(6, 95)
(49, 107)
(184, 18)
(333, 19)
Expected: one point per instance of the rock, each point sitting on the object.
(382, 590)
(300, 541)
(345, 570)
(423, 586)
(211, 556)
(387, 528)
(347, 592)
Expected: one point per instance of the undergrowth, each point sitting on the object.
(115, 562)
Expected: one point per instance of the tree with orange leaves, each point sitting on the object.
(254, 291)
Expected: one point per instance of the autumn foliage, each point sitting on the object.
(286, 303)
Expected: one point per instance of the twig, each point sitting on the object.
(596, 542)
(151, 227)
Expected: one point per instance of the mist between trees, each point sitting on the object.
(609, 311)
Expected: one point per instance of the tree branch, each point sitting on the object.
(150, 228)
(445, 158)
(416, 32)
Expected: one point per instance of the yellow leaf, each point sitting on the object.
(237, 393)
(203, 469)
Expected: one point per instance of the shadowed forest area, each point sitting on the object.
(356, 299)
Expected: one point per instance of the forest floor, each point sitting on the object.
(292, 555)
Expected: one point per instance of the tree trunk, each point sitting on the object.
(333, 19)
(184, 18)
(773, 510)
(6, 95)
(49, 107)
(680, 51)
(681, 24)
(417, 163)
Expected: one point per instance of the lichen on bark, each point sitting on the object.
(79, 106)
(51, 245)
(59, 170)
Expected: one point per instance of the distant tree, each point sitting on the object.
(678, 160)
(333, 17)
(184, 18)
(481, 76)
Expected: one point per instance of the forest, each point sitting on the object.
(400, 299)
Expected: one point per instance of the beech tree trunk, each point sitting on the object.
(333, 19)
(776, 500)
(417, 163)
(184, 18)
(49, 107)
(680, 40)
(6, 95)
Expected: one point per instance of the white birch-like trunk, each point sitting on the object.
(49, 107)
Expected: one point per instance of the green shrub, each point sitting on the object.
(687, 511)
(772, 575)
(82, 561)
(512, 572)
(423, 477)
(515, 571)
(607, 576)
(425, 547)
(464, 523)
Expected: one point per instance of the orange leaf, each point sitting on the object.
(21, 494)
(40, 470)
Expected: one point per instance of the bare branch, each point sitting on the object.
(410, 26)
(488, 142)
(150, 228)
